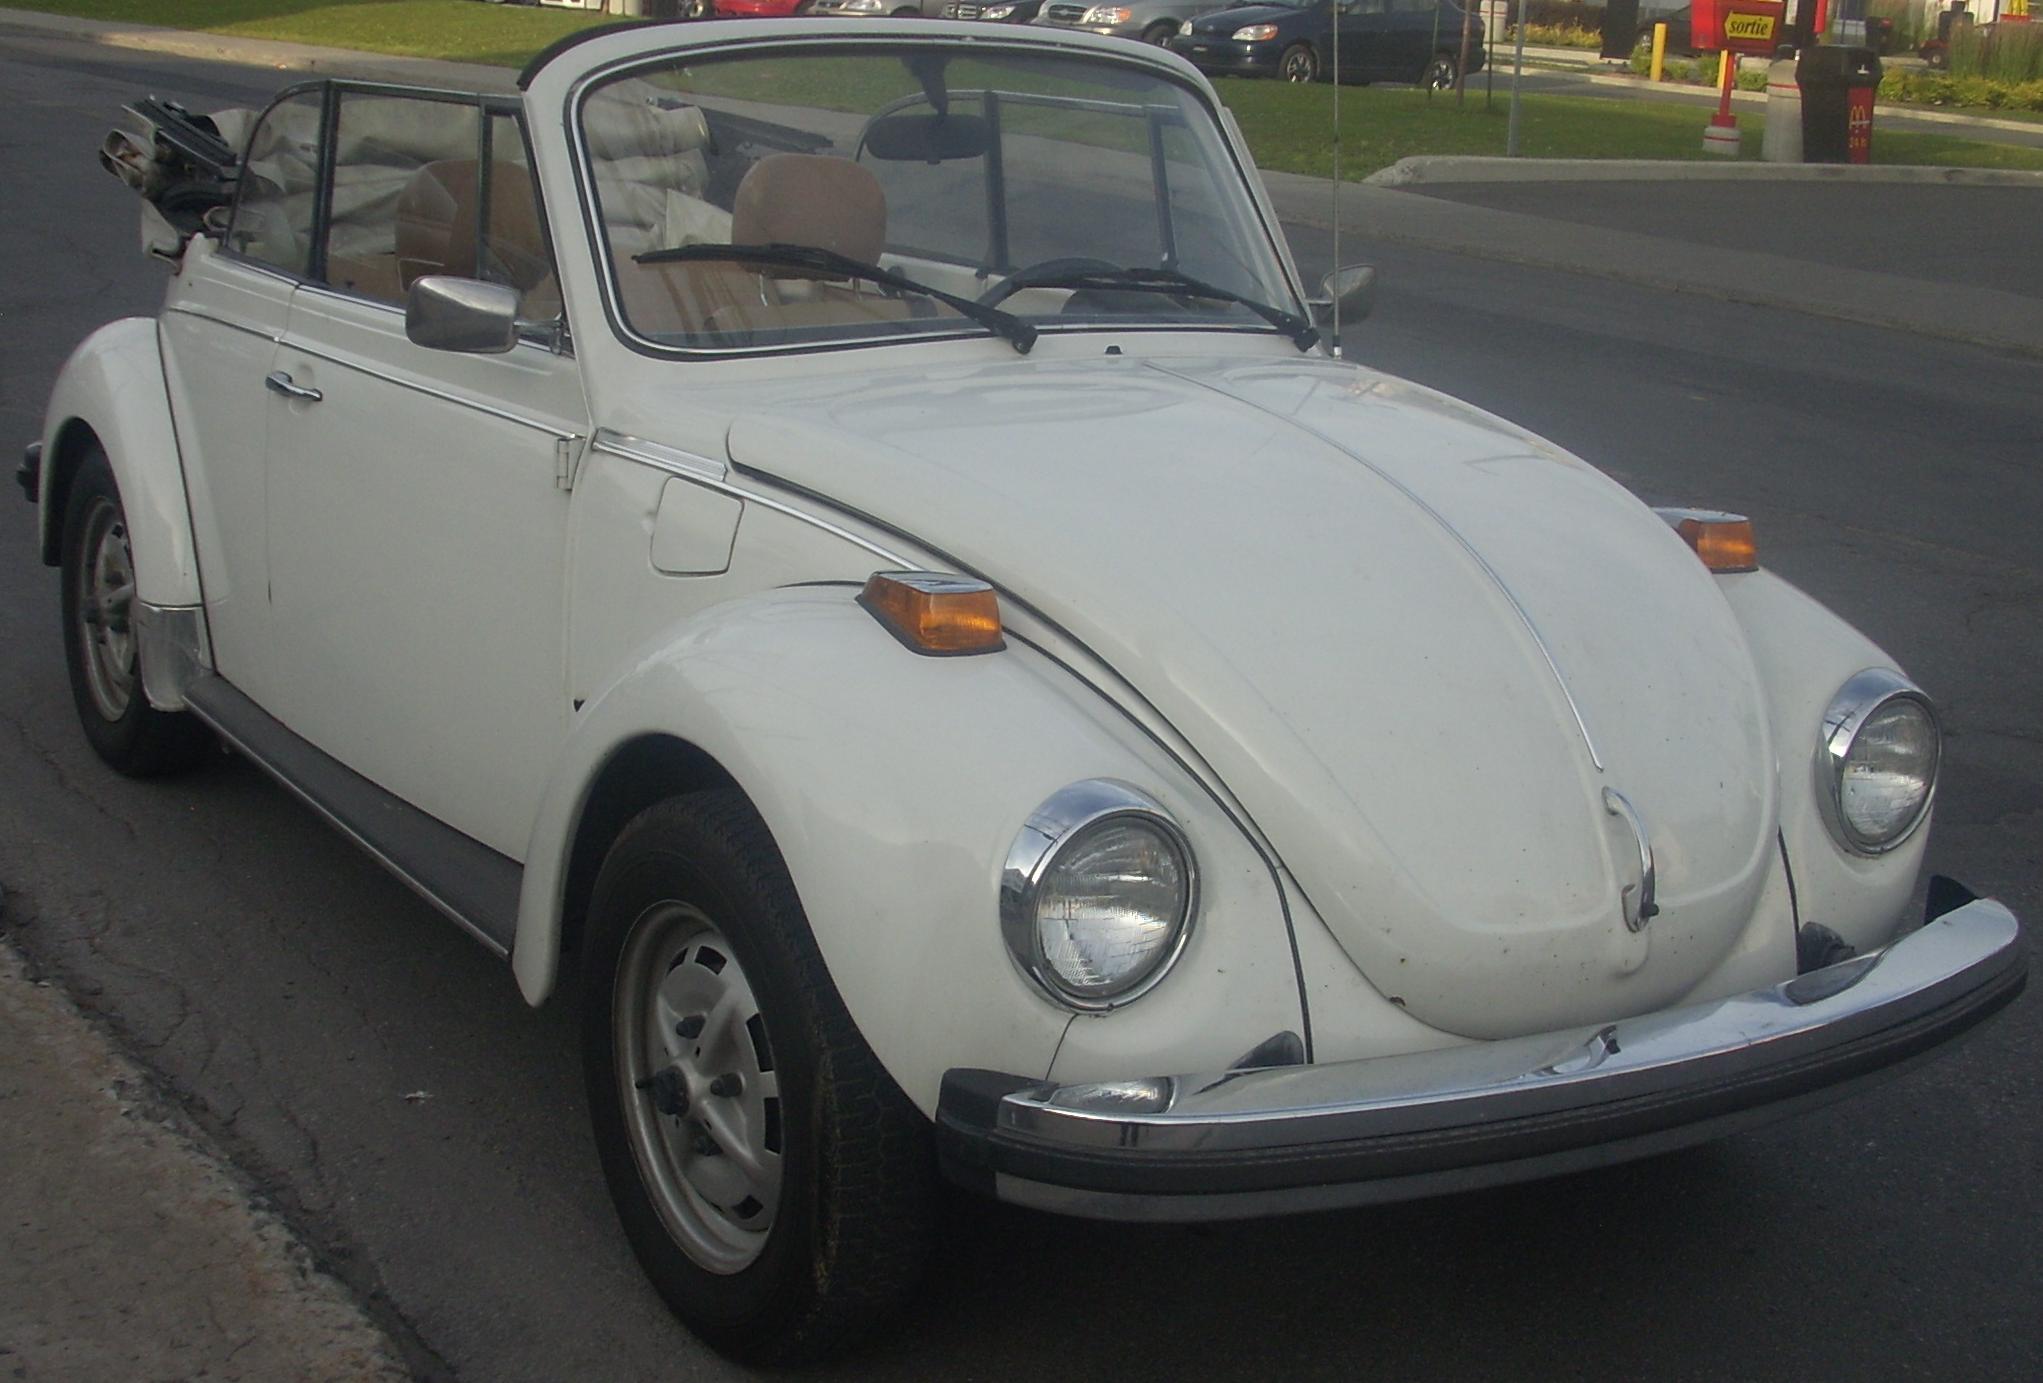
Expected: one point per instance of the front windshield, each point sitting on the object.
(1006, 178)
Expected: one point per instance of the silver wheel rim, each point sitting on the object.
(106, 602)
(1440, 75)
(1298, 67)
(700, 1094)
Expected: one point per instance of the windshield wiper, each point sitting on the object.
(1170, 281)
(1006, 325)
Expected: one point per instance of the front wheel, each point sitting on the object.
(102, 640)
(1299, 64)
(1440, 72)
(1159, 34)
(775, 1183)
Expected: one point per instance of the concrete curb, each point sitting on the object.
(1682, 91)
(1425, 169)
(1953, 312)
(218, 1288)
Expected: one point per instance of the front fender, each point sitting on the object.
(894, 784)
(1804, 653)
(113, 386)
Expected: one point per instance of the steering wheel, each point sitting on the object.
(1052, 268)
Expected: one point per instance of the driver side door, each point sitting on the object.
(417, 515)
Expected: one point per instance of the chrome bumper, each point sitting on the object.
(1288, 1138)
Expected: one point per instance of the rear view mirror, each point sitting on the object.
(1353, 286)
(927, 138)
(444, 313)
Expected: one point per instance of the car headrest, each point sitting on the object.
(811, 199)
(438, 217)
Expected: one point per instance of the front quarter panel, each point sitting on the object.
(113, 385)
(894, 784)
(1804, 654)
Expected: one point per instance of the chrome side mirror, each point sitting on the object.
(1353, 286)
(444, 313)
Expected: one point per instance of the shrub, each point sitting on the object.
(1561, 36)
(1951, 89)
(1560, 14)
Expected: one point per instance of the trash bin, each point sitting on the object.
(1837, 84)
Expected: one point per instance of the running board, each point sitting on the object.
(462, 877)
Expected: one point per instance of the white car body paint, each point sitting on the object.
(1378, 653)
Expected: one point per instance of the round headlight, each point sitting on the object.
(1097, 896)
(1879, 757)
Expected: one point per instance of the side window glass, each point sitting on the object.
(404, 193)
(512, 234)
(274, 211)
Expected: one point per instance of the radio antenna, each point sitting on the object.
(1337, 173)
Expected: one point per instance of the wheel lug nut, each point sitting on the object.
(727, 1085)
(689, 1027)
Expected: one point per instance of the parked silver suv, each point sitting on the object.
(1152, 21)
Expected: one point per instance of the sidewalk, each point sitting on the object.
(128, 1248)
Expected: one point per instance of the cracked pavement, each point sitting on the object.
(291, 995)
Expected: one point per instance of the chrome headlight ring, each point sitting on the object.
(1072, 816)
(1864, 696)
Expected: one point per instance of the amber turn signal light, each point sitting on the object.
(934, 613)
(1723, 541)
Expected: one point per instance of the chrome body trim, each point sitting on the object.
(174, 651)
(1048, 831)
(1305, 1137)
(715, 475)
(1674, 516)
(216, 319)
(292, 343)
(1863, 694)
(1639, 907)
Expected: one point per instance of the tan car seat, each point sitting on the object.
(797, 199)
(438, 220)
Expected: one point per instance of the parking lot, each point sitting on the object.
(295, 996)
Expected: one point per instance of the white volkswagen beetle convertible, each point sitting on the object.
(843, 541)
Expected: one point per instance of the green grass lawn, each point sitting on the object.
(458, 30)
(1287, 126)
(1290, 128)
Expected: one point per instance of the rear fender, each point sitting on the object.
(893, 785)
(112, 389)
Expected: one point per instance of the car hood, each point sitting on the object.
(1416, 643)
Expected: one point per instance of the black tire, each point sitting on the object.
(1160, 34)
(854, 1221)
(1440, 72)
(1298, 63)
(101, 648)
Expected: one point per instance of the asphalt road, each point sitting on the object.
(1983, 237)
(296, 996)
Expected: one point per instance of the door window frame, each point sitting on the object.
(330, 90)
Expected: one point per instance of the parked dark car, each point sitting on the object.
(1381, 41)
(1680, 30)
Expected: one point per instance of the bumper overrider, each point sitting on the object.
(1264, 1141)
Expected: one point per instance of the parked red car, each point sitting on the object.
(760, 9)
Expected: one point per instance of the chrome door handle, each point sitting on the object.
(280, 383)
